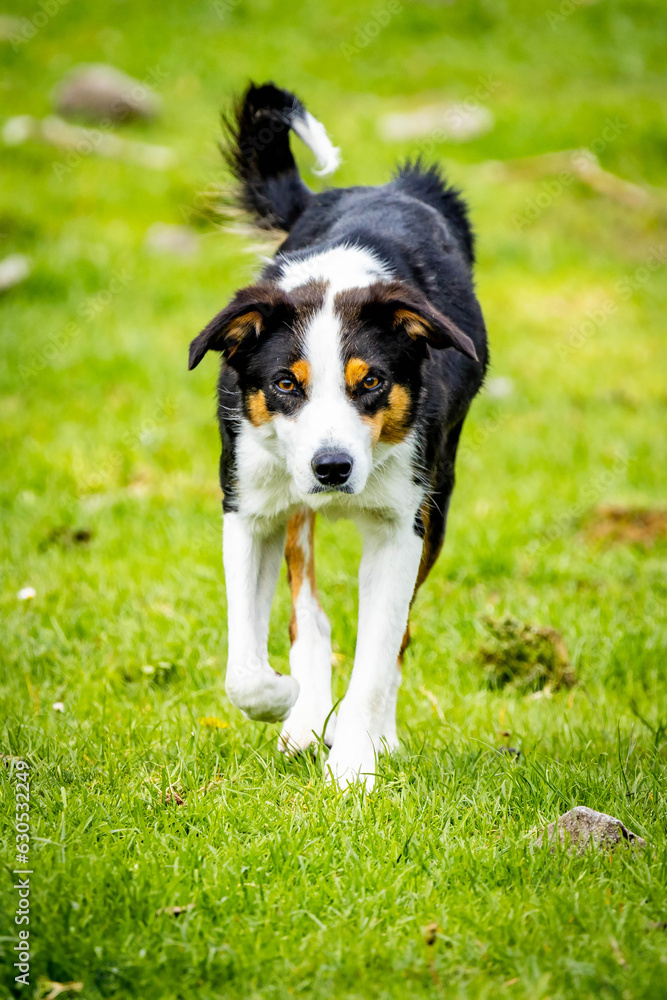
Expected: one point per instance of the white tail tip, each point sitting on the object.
(314, 135)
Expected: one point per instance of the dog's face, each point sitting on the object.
(326, 377)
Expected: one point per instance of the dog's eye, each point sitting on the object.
(371, 382)
(285, 385)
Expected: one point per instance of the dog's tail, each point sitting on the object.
(258, 153)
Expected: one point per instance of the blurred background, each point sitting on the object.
(116, 249)
(543, 624)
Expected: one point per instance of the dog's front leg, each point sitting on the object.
(252, 554)
(387, 578)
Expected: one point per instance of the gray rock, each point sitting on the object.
(582, 827)
(162, 237)
(500, 387)
(441, 122)
(101, 93)
(13, 270)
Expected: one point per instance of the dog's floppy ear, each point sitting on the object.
(410, 310)
(240, 323)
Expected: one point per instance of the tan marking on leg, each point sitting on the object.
(257, 408)
(404, 645)
(356, 371)
(301, 371)
(430, 552)
(300, 563)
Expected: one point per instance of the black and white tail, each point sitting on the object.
(259, 156)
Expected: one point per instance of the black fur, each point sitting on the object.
(418, 226)
(258, 154)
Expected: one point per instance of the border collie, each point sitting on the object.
(347, 372)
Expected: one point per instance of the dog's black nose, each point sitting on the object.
(332, 468)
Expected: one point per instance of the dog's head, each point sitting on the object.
(329, 376)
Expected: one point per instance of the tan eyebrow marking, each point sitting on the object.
(257, 408)
(356, 371)
(301, 371)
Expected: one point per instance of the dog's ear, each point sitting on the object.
(240, 324)
(408, 309)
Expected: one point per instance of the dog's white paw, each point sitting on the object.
(353, 762)
(305, 727)
(262, 696)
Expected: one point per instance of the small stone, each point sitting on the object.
(441, 122)
(26, 593)
(582, 827)
(13, 270)
(500, 387)
(18, 129)
(102, 93)
(181, 241)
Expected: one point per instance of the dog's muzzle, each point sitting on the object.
(331, 468)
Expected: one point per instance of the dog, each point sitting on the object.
(347, 372)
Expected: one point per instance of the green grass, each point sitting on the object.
(297, 891)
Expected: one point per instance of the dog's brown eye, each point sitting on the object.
(285, 385)
(371, 382)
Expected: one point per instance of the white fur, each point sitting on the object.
(342, 267)
(275, 479)
(310, 665)
(252, 562)
(329, 418)
(366, 723)
(314, 135)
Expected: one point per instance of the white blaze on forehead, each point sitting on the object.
(323, 350)
(341, 267)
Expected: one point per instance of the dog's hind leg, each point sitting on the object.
(310, 634)
(252, 555)
(432, 514)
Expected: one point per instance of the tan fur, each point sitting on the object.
(301, 372)
(356, 371)
(415, 325)
(390, 424)
(299, 563)
(394, 426)
(241, 327)
(257, 409)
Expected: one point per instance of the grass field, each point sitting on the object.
(287, 888)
